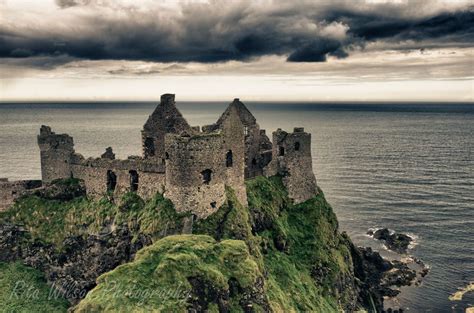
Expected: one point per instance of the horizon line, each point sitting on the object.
(59, 101)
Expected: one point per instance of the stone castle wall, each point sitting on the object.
(166, 119)
(103, 177)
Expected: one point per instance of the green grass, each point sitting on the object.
(23, 289)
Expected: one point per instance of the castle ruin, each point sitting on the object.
(190, 165)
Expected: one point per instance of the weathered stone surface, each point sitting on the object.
(256, 141)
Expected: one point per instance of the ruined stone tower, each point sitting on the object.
(166, 119)
(291, 158)
(56, 151)
(200, 166)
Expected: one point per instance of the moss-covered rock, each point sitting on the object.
(175, 274)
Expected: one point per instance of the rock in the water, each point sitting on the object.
(397, 242)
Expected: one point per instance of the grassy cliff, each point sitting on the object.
(269, 256)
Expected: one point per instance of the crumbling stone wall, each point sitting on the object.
(291, 158)
(196, 172)
(97, 175)
(10, 191)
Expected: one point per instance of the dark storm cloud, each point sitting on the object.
(219, 31)
(457, 26)
(317, 51)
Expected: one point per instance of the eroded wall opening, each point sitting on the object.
(282, 151)
(133, 180)
(297, 146)
(229, 162)
(111, 181)
(149, 146)
(206, 176)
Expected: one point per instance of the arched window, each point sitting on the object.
(246, 130)
(167, 156)
(133, 180)
(228, 159)
(282, 151)
(149, 146)
(111, 181)
(297, 146)
(206, 176)
(254, 161)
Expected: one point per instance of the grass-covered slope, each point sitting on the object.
(51, 221)
(271, 256)
(23, 289)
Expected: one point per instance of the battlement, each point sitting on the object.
(192, 166)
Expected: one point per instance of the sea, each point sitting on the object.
(405, 166)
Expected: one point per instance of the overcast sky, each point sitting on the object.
(256, 50)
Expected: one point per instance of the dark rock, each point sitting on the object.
(72, 270)
(396, 242)
(382, 234)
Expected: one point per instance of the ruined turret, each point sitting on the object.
(56, 152)
(291, 158)
(166, 119)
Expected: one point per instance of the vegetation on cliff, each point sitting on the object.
(271, 255)
(51, 219)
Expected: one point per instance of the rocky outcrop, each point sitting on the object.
(377, 276)
(397, 242)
